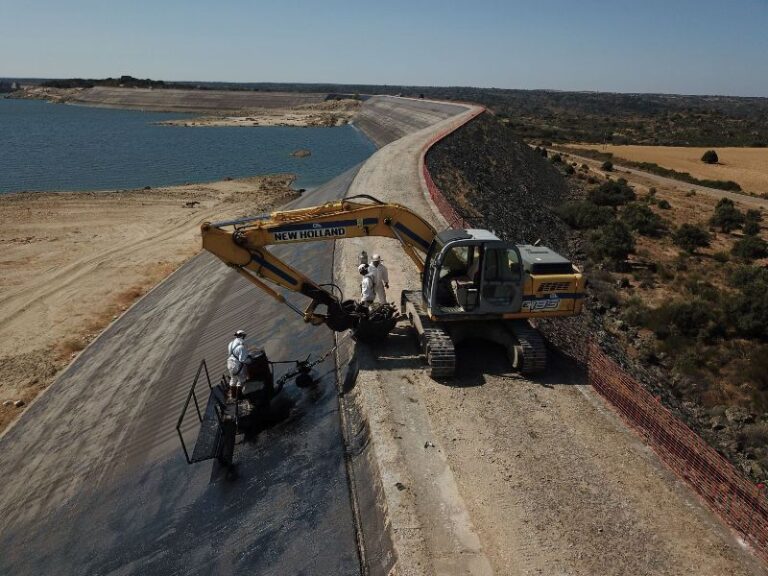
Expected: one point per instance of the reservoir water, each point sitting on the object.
(53, 147)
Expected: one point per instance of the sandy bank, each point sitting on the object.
(172, 100)
(325, 114)
(72, 262)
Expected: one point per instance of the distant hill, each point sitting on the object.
(544, 115)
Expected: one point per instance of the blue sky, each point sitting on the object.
(677, 46)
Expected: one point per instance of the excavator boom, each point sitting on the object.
(242, 244)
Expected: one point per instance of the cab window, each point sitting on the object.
(455, 262)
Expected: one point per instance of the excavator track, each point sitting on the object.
(436, 343)
(531, 351)
(440, 353)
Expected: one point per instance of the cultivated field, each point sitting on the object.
(746, 166)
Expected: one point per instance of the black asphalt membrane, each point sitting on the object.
(285, 510)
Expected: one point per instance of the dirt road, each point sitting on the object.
(496, 473)
(655, 179)
(746, 166)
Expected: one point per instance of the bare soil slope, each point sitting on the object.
(74, 261)
(192, 100)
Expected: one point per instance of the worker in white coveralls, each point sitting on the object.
(380, 278)
(237, 360)
(367, 285)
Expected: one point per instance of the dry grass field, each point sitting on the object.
(747, 166)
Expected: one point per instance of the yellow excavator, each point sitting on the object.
(473, 284)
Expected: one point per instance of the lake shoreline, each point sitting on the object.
(76, 148)
(76, 260)
(221, 108)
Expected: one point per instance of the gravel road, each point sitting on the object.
(497, 473)
(751, 201)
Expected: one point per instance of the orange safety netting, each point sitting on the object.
(737, 501)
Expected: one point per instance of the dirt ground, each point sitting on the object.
(495, 473)
(746, 166)
(330, 113)
(72, 262)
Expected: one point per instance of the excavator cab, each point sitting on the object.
(472, 272)
(475, 285)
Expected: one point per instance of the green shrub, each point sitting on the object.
(641, 218)
(752, 220)
(753, 215)
(606, 294)
(710, 157)
(635, 312)
(613, 242)
(703, 289)
(569, 169)
(751, 228)
(607, 166)
(664, 205)
(757, 368)
(721, 257)
(744, 276)
(749, 248)
(748, 310)
(612, 193)
(584, 215)
(689, 237)
(693, 318)
(727, 217)
(664, 272)
(556, 159)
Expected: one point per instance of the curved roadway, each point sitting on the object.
(93, 478)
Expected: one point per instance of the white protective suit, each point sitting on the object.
(238, 355)
(367, 284)
(381, 281)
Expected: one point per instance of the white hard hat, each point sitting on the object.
(240, 333)
(362, 268)
(376, 258)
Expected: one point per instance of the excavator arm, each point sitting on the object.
(242, 244)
